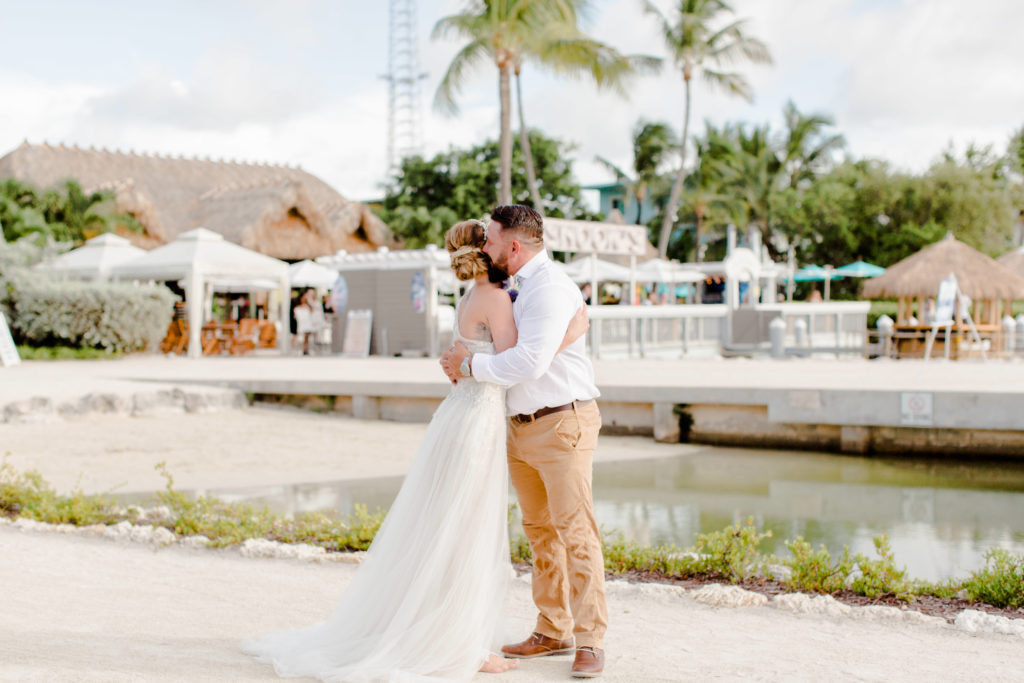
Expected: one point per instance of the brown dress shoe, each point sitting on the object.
(537, 645)
(589, 662)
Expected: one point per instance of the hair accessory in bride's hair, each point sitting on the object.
(462, 251)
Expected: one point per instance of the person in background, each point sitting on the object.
(585, 290)
(309, 319)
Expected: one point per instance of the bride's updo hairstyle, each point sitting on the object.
(465, 243)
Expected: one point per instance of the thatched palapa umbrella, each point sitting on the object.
(1014, 261)
(991, 286)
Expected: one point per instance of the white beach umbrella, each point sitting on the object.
(662, 270)
(591, 268)
(311, 274)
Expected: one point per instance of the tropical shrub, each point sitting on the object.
(109, 316)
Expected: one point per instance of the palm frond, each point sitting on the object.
(467, 58)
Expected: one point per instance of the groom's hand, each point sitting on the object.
(451, 359)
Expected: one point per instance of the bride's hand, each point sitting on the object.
(578, 327)
(451, 359)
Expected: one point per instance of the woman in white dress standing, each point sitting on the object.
(424, 604)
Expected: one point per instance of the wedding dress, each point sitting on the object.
(424, 605)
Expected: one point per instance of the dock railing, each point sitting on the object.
(673, 331)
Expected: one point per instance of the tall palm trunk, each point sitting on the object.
(677, 186)
(696, 233)
(524, 142)
(505, 141)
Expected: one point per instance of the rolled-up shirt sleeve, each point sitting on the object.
(541, 328)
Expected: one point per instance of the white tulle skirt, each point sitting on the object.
(425, 603)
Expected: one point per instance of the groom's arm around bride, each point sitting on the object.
(552, 435)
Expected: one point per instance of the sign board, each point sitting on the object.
(590, 237)
(945, 301)
(8, 351)
(358, 327)
(916, 408)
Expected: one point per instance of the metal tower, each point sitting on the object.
(405, 131)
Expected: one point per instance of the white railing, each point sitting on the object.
(677, 330)
(663, 331)
(833, 326)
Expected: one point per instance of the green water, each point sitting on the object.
(940, 515)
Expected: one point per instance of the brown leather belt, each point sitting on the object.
(526, 419)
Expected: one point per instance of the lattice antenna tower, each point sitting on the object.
(405, 127)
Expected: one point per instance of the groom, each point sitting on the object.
(551, 439)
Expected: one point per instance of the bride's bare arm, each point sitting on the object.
(500, 320)
(578, 327)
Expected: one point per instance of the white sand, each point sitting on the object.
(84, 609)
(76, 608)
(235, 448)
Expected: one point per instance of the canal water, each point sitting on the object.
(940, 515)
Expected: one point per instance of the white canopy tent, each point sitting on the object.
(593, 269)
(201, 257)
(94, 259)
(311, 274)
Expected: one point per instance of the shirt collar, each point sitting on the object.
(533, 265)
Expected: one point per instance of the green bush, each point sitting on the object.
(101, 315)
(1000, 582)
(731, 553)
(813, 570)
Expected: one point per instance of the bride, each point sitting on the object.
(425, 602)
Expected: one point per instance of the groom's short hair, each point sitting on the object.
(524, 221)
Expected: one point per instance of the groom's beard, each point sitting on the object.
(495, 273)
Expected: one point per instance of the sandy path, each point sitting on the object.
(258, 446)
(84, 609)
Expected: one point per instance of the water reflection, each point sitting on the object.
(940, 516)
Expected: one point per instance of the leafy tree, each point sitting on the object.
(697, 46)
(428, 195)
(808, 148)
(65, 214)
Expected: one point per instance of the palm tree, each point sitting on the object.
(510, 32)
(807, 147)
(705, 191)
(651, 144)
(696, 46)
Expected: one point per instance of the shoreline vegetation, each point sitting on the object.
(730, 555)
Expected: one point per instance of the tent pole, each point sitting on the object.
(284, 336)
(194, 296)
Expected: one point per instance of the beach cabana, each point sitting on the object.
(94, 259)
(201, 257)
(915, 280)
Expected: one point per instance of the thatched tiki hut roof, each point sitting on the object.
(1014, 261)
(280, 211)
(979, 277)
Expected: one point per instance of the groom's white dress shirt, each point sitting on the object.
(536, 374)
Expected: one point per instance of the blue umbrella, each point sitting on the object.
(860, 269)
(815, 274)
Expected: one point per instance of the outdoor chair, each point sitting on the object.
(176, 340)
(268, 335)
(247, 337)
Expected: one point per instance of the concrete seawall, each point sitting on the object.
(849, 406)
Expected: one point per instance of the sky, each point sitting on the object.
(299, 81)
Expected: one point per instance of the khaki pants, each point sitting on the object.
(550, 463)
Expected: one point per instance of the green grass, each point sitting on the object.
(64, 353)
(731, 554)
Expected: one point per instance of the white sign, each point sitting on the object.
(916, 408)
(8, 351)
(561, 234)
(945, 301)
(358, 327)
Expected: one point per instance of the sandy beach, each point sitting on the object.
(81, 608)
